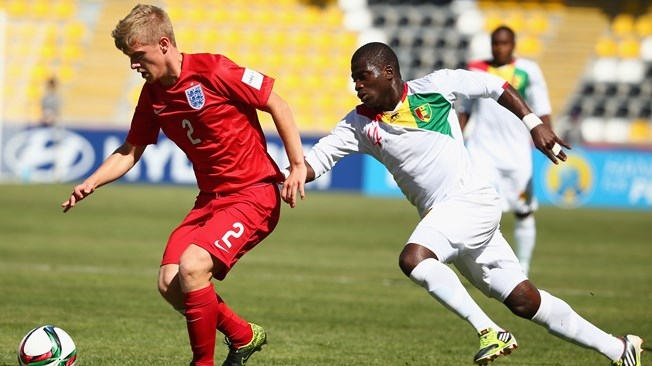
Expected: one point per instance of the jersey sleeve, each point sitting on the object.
(144, 129)
(341, 142)
(242, 84)
(466, 84)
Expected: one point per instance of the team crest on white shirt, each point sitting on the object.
(195, 96)
(423, 112)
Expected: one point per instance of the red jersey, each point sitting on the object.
(210, 113)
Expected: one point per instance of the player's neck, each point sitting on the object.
(174, 69)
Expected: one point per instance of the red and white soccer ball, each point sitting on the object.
(47, 345)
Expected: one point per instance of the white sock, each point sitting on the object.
(562, 321)
(442, 283)
(525, 233)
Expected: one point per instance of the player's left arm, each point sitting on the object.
(537, 94)
(288, 131)
(543, 136)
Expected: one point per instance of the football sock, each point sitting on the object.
(442, 283)
(234, 327)
(560, 320)
(525, 238)
(201, 318)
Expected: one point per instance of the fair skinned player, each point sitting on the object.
(207, 105)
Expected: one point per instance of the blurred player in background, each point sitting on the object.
(412, 129)
(207, 105)
(50, 104)
(499, 143)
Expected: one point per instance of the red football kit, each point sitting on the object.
(211, 114)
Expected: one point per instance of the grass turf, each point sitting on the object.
(325, 285)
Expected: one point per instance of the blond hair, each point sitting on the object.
(145, 24)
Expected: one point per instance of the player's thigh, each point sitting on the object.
(239, 223)
(183, 235)
(467, 222)
(493, 268)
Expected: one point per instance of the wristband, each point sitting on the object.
(286, 173)
(531, 121)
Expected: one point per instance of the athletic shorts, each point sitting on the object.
(514, 185)
(227, 226)
(473, 241)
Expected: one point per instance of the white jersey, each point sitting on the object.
(497, 134)
(420, 141)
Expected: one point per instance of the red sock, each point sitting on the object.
(234, 327)
(201, 318)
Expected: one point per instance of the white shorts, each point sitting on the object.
(514, 185)
(473, 242)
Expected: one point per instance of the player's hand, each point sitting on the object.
(80, 192)
(549, 143)
(295, 181)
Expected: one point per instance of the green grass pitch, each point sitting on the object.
(325, 285)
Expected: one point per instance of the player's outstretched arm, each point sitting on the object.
(114, 167)
(288, 131)
(544, 138)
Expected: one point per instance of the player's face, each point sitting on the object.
(502, 47)
(370, 84)
(148, 60)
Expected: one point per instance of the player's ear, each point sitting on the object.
(164, 44)
(389, 72)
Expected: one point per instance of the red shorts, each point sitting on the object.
(227, 226)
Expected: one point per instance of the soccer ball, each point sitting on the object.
(47, 346)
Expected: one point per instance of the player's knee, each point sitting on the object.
(412, 255)
(194, 260)
(524, 300)
(168, 285)
(522, 215)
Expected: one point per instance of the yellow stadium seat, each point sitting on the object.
(40, 9)
(537, 24)
(175, 13)
(529, 46)
(65, 73)
(643, 25)
(640, 131)
(74, 30)
(64, 9)
(333, 16)
(40, 72)
(629, 48)
(606, 47)
(622, 25)
(516, 20)
(71, 51)
(17, 9)
(48, 51)
(492, 21)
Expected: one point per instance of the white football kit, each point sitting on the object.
(420, 143)
(499, 143)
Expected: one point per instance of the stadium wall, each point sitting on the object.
(591, 177)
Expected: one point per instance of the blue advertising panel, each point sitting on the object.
(377, 181)
(589, 178)
(596, 178)
(44, 155)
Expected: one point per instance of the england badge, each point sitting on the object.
(195, 96)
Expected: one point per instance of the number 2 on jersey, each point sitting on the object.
(239, 229)
(188, 126)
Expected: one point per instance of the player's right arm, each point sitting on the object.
(114, 167)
